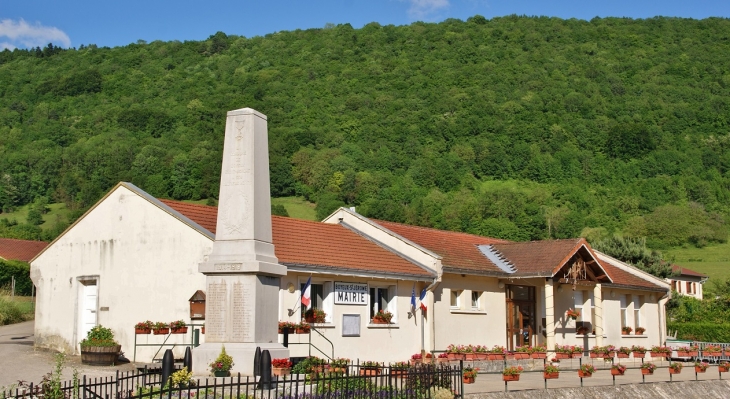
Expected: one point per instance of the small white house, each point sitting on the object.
(133, 257)
(687, 282)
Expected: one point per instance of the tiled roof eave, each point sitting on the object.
(348, 271)
(635, 287)
(474, 272)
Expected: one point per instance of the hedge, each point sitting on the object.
(21, 271)
(708, 332)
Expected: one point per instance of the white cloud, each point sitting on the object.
(36, 35)
(6, 45)
(421, 9)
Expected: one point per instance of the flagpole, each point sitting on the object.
(423, 347)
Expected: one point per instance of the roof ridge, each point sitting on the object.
(440, 230)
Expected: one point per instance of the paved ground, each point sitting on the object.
(20, 361)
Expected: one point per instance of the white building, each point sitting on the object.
(132, 257)
(687, 282)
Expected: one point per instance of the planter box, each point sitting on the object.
(673, 371)
(442, 360)
(726, 351)
(616, 372)
(481, 356)
(538, 355)
(378, 321)
(576, 355)
(584, 375)
(468, 380)
(722, 369)
(683, 353)
(495, 356)
(470, 356)
(639, 355)
(399, 373)
(713, 353)
(222, 373)
(142, 330)
(694, 353)
(369, 372)
(622, 355)
(100, 355)
(280, 371)
(522, 355)
(562, 355)
(161, 331)
(646, 372)
(301, 331)
(179, 330)
(515, 377)
(456, 356)
(551, 376)
(699, 370)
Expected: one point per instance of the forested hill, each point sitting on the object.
(515, 127)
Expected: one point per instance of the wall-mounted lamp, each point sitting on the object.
(613, 294)
(500, 284)
(290, 288)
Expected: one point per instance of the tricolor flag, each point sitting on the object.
(307, 294)
(423, 296)
(413, 300)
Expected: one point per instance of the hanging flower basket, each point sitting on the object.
(551, 376)
(583, 374)
(142, 330)
(513, 377)
(538, 355)
(179, 330)
(468, 380)
(161, 331)
(647, 372)
(674, 371)
(639, 355)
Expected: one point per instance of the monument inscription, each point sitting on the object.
(241, 313)
(216, 297)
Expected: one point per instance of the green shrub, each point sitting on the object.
(10, 311)
(99, 336)
(701, 331)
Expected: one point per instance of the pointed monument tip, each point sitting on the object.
(246, 111)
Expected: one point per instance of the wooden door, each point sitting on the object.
(521, 316)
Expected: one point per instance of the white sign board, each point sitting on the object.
(351, 293)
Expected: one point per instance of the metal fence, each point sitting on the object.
(352, 381)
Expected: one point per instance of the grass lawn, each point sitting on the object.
(297, 207)
(15, 309)
(57, 212)
(712, 260)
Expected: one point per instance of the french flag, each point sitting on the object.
(307, 294)
(423, 296)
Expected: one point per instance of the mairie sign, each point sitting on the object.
(351, 293)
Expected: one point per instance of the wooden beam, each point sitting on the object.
(586, 283)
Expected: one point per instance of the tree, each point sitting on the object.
(634, 251)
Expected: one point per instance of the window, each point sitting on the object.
(379, 300)
(475, 299)
(455, 298)
(689, 287)
(624, 315)
(674, 285)
(578, 302)
(317, 295)
(638, 303)
(321, 298)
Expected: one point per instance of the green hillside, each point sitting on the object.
(712, 260)
(517, 127)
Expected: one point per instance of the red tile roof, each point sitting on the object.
(687, 272)
(302, 242)
(621, 277)
(539, 257)
(22, 250)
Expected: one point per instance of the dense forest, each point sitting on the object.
(516, 127)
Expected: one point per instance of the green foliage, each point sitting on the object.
(279, 210)
(635, 252)
(11, 311)
(589, 126)
(99, 336)
(224, 361)
(701, 331)
(21, 272)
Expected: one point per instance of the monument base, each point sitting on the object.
(242, 354)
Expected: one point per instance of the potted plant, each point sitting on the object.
(160, 328)
(726, 351)
(481, 352)
(638, 351)
(551, 372)
(598, 352)
(640, 330)
(683, 351)
(221, 366)
(675, 368)
(512, 373)
(178, 327)
(661, 351)
(428, 359)
(443, 358)
(470, 374)
(712, 350)
(339, 365)
(99, 347)
(701, 367)
(618, 369)
(469, 352)
(302, 328)
(281, 367)
(143, 327)
(586, 371)
(399, 369)
(315, 315)
(723, 367)
(496, 353)
(572, 314)
(582, 330)
(522, 352)
(369, 368)
(626, 330)
(416, 359)
(648, 368)
(576, 351)
(563, 352)
(382, 317)
(288, 326)
(623, 352)
(538, 352)
(694, 350)
(181, 378)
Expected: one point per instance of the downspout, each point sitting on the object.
(662, 309)
(432, 311)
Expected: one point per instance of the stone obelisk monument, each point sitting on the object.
(242, 272)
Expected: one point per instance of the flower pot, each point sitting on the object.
(470, 356)
(513, 377)
(722, 369)
(100, 355)
(622, 355)
(682, 353)
(713, 353)
(338, 370)
(222, 373)
(398, 373)
(481, 356)
(378, 321)
(646, 372)
(496, 356)
(595, 355)
(625, 333)
(369, 372)
(442, 360)
(179, 330)
(301, 331)
(693, 353)
(538, 355)
(415, 362)
(522, 355)
(468, 380)
(551, 376)
(142, 330)
(562, 355)
(280, 371)
(161, 331)
(726, 351)
(616, 372)
(202, 330)
(699, 370)
(639, 355)
(610, 355)
(673, 371)
(576, 355)
(581, 374)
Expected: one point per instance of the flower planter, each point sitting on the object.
(522, 355)
(142, 330)
(301, 331)
(369, 372)
(699, 370)
(576, 355)
(468, 380)
(713, 353)
(161, 331)
(100, 355)
(480, 356)
(280, 371)
(514, 377)
(179, 330)
(441, 360)
(338, 370)
(470, 356)
(622, 355)
(562, 355)
(722, 369)
(551, 376)
(673, 371)
(202, 330)
(378, 321)
(222, 373)
(495, 356)
(646, 372)
(616, 372)
(399, 373)
(726, 351)
(415, 362)
(639, 355)
(581, 374)
(538, 355)
(682, 353)
(596, 355)
(693, 353)
(456, 356)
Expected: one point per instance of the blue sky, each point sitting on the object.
(70, 23)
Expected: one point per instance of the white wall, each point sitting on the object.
(146, 262)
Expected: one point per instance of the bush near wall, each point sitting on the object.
(708, 332)
(21, 272)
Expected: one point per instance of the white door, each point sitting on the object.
(88, 308)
